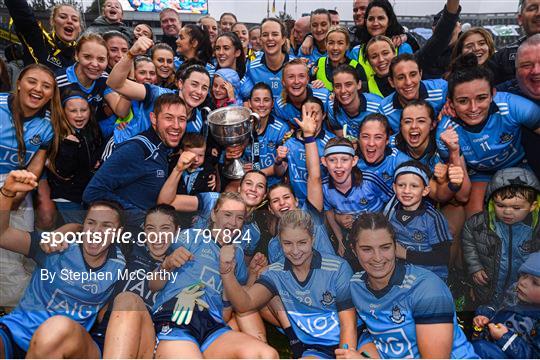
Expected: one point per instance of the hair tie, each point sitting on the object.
(64, 101)
(339, 149)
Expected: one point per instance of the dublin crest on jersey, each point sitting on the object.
(505, 137)
(327, 298)
(35, 140)
(397, 317)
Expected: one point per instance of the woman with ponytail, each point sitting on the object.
(28, 118)
(488, 124)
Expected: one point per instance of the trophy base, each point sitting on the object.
(234, 169)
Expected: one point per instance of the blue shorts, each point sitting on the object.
(11, 349)
(203, 330)
(320, 351)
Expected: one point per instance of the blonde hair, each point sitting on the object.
(297, 61)
(224, 197)
(341, 30)
(375, 39)
(55, 10)
(296, 219)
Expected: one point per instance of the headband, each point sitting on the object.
(412, 170)
(339, 149)
(64, 101)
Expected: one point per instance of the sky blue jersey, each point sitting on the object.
(65, 294)
(37, 131)
(495, 143)
(262, 151)
(386, 168)
(204, 267)
(251, 234)
(96, 92)
(369, 104)
(258, 71)
(432, 91)
(195, 123)
(413, 296)
(420, 230)
(296, 159)
(321, 240)
(312, 305)
(369, 196)
(284, 109)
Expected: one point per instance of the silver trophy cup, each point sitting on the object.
(232, 126)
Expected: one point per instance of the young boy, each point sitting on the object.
(514, 329)
(422, 233)
(199, 177)
(498, 240)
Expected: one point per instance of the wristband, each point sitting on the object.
(278, 162)
(453, 188)
(309, 139)
(2, 190)
(130, 55)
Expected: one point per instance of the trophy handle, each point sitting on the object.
(254, 117)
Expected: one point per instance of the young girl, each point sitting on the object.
(196, 261)
(488, 125)
(351, 105)
(478, 41)
(75, 160)
(225, 88)
(327, 303)
(291, 155)
(376, 155)
(163, 58)
(88, 75)
(337, 42)
(349, 191)
(421, 231)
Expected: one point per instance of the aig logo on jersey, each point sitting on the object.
(160, 173)
(35, 140)
(328, 299)
(397, 317)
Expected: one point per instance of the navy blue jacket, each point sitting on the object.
(522, 341)
(132, 176)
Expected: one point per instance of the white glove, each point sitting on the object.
(185, 305)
